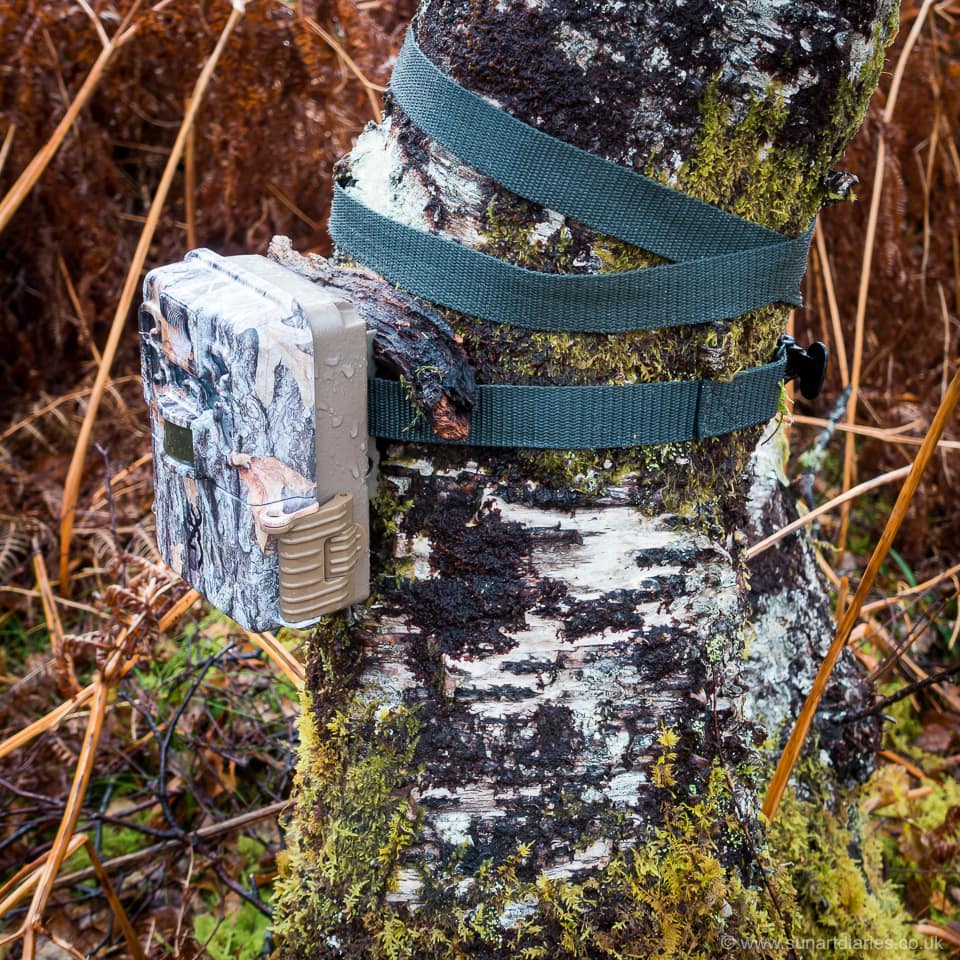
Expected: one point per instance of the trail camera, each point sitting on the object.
(256, 383)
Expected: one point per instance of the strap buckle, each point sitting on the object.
(808, 366)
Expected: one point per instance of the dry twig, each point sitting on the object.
(911, 591)
(72, 485)
(849, 618)
(867, 263)
(208, 832)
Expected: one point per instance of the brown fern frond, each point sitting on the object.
(930, 854)
(15, 537)
(146, 570)
(123, 602)
(143, 541)
(62, 751)
(102, 544)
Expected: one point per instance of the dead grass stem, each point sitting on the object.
(890, 434)
(850, 616)
(866, 265)
(826, 271)
(372, 90)
(75, 472)
(34, 170)
(890, 477)
(97, 696)
(288, 664)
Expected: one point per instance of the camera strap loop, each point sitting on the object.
(674, 294)
(611, 198)
(591, 417)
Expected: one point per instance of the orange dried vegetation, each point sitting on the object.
(282, 108)
(912, 334)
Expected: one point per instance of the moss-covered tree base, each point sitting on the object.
(706, 884)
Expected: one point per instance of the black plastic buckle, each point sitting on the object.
(808, 366)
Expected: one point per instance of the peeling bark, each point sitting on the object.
(569, 629)
(411, 340)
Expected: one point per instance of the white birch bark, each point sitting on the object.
(553, 616)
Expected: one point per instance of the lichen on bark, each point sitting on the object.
(565, 632)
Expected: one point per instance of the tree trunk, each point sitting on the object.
(567, 652)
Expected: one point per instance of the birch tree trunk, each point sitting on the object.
(566, 650)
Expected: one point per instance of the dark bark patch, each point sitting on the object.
(684, 555)
(542, 84)
(556, 736)
(649, 65)
(659, 654)
(852, 745)
(484, 583)
(618, 610)
(781, 567)
(469, 617)
(508, 755)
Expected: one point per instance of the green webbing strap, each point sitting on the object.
(445, 272)
(724, 267)
(601, 417)
(608, 197)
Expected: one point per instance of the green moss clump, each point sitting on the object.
(354, 819)
(236, 935)
(853, 97)
(509, 226)
(918, 835)
(680, 894)
(736, 166)
(386, 509)
(845, 909)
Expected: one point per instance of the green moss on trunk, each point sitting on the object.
(679, 895)
(354, 818)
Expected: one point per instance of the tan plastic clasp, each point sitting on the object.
(319, 548)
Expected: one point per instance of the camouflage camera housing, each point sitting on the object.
(255, 379)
